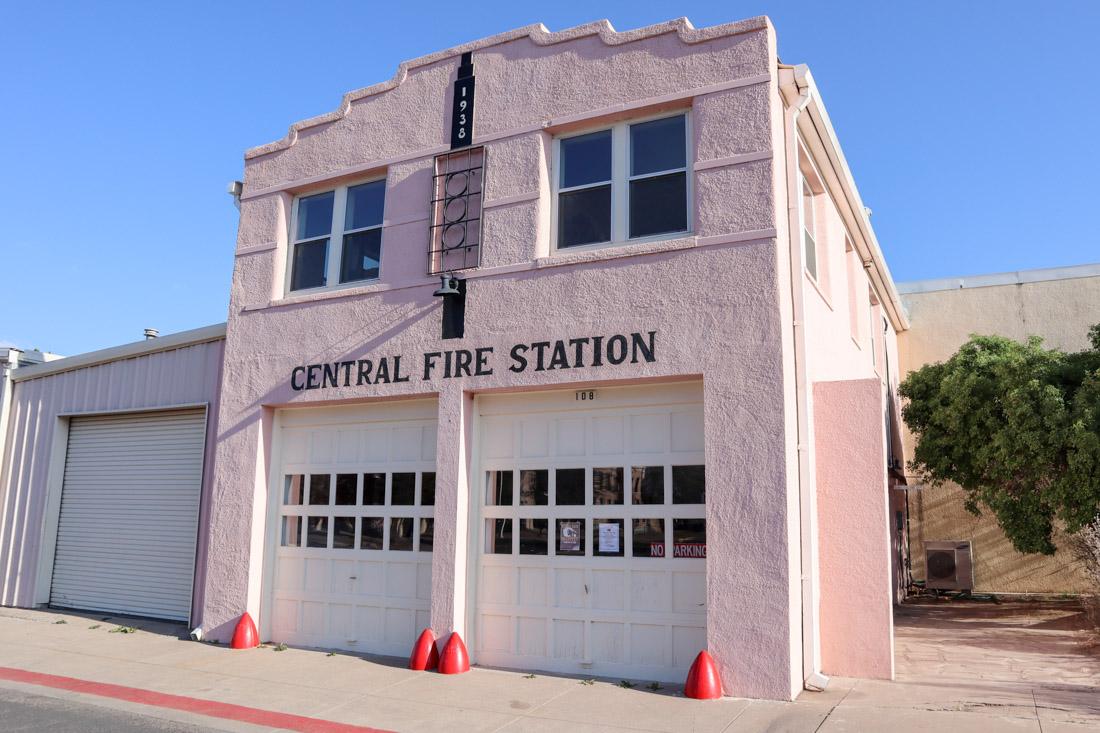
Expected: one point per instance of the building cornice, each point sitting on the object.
(540, 36)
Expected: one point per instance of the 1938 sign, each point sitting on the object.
(462, 110)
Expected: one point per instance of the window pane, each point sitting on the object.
(374, 489)
(570, 536)
(570, 486)
(658, 205)
(649, 538)
(370, 533)
(689, 485)
(403, 489)
(607, 485)
(689, 538)
(401, 533)
(343, 533)
(292, 490)
(345, 489)
(657, 146)
(584, 217)
(317, 534)
(359, 259)
(647, 485)
(498, 536)
(364, 207)
(427, 534)
(292, 532)
(318, 488)
(315, 215)
(810, 249)
(532, 487)
(533, 536)
(499, 488)
(310, 262)
(607, 537)
(585, 159)
(427, 488)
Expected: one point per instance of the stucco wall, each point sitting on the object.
(1060, 311)
(187, 375)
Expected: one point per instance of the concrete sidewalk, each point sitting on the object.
(380, 693)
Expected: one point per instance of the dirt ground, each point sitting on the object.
(1012, 654)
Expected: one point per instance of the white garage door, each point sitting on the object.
(129, 514)
(354, 527)
(592, 532)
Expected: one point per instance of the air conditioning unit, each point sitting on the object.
(949, 565)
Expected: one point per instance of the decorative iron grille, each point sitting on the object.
(455, 236)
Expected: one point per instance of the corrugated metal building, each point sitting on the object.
(105, 474)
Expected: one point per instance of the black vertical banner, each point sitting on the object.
(462, 111)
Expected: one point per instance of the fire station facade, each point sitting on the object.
(578, 344)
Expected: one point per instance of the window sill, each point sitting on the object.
(341, 291)
(613, 250)
(817, 287)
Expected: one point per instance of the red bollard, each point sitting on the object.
(424, 656)
(245, 635)
(703, 682)
(454, 659)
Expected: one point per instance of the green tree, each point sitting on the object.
(1016, 426)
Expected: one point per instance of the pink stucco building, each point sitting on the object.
(578, 344)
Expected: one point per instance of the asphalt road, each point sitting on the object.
(22, 711)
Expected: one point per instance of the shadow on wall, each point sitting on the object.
(998, 567)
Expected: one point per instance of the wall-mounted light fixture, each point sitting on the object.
(453, 292)
(447, 286)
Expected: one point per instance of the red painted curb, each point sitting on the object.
(225, 710)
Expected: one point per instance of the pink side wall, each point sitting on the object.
(857, 626)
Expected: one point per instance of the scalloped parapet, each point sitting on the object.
(540, 36)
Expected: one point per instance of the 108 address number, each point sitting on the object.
(585, 396)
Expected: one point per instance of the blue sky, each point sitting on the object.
(967, 126)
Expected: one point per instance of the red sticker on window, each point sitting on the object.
(689, 549)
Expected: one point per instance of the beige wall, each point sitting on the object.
(1014, 305)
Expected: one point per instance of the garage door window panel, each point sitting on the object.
(401, 534)
(317, 534)
(648, 538)
(403, 489)
(343, 533)
(319, 489)
(647, 485)
(689, 485)
(374, 489)
(370, 536)
(569, 487)
(534, 487)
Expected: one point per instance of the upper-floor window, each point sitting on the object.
(809, 228)
(626, 182)
(337, 236)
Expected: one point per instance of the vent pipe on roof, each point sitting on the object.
(151, 333)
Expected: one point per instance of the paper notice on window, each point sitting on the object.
(609, 537)
(570, 540)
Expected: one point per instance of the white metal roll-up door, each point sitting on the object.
(129, 514)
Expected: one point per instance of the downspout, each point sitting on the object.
(8, 364)
(795, 81)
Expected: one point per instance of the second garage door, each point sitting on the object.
(591, 531)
